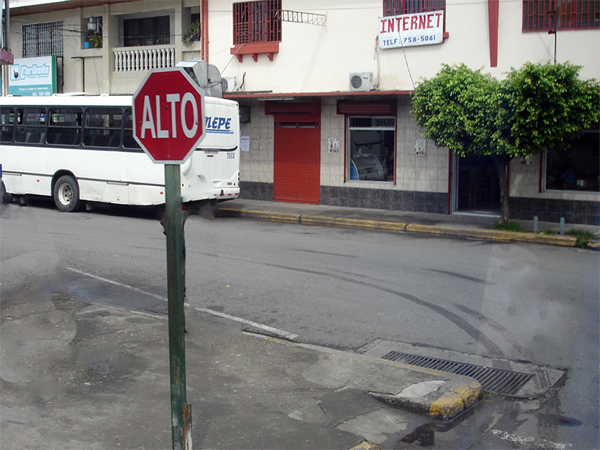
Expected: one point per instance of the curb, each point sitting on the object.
(441, 399)
(464, 395)
(400, 227)
(365, 445)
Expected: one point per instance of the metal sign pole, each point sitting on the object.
(173, 223)
(182, 114)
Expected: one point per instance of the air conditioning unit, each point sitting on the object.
(229, 84)
(361, 81)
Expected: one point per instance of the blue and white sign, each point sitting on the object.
(33, 76)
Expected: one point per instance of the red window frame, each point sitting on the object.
(546, 15)
(258, 21)
(256, 28)
(399, 7)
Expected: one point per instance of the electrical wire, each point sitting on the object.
(232, 57)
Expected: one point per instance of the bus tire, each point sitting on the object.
(66, 195)
(5, 197)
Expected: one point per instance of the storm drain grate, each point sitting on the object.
(498, 381)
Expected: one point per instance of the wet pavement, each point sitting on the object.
(76, 374)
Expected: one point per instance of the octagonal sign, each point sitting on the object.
(168, 115)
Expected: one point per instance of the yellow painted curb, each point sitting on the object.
(364, 445)
(272, 217)
(400, 227)
(494, 235)
(362, 224)
(454, 403)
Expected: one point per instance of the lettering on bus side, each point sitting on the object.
(219, 125)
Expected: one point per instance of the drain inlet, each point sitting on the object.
(497, 381)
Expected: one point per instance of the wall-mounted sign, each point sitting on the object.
(420, 147)
(411, 29)
(33, 76)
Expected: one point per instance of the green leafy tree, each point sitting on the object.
(538, 107)
(550, 106)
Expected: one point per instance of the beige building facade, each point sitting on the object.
(324, 88)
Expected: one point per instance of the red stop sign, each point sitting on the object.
(168, 115)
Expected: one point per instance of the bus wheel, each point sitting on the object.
(5, 197)
(66, 195)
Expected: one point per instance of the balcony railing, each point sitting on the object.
(132, 59)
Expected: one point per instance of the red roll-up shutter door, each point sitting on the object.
(297, 162)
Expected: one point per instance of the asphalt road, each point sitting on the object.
(349, 288)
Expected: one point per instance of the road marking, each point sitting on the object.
(260, 326)
(276, 331)
(116, 283)
(530, 442)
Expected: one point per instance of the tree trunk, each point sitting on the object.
(501, 162)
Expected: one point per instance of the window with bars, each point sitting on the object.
(147, 31)
(258, 21)
(545, 15)
(42, 39)
(399, 7)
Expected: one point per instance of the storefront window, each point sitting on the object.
(577, 169)
(371, 147)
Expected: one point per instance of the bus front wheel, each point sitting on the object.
(66, 194)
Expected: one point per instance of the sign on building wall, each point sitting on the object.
(33, 76)
(411, 30)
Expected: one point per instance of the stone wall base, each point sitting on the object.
(547, 210)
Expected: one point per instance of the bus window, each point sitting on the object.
(103, 127)
(7, 124)
(64, 126)
(31, 125)
(128, 139)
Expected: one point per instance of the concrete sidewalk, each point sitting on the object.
(465, 226)
(79, 375)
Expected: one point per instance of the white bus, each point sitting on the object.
(79, 149)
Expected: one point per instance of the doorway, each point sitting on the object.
(297, 162)
(476, 185)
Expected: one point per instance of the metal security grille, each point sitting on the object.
(498, 381)
(399, 7)
(296, 160)
(43, 39)
(544, 15)
(258, 21)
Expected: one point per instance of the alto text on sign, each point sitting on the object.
(152, 119)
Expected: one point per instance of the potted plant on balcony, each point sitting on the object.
(192, 35)
(95, 41)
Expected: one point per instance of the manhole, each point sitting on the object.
(497, 381)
